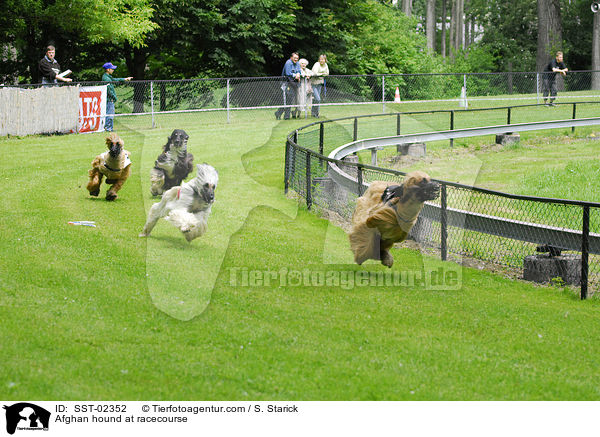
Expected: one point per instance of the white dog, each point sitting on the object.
(187, 207)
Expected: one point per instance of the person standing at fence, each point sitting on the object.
(111, 95)
(291, 75)
(319, 70)
(305, 93)
(50, 69)
(555, 66)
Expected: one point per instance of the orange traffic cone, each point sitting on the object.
(397, 96)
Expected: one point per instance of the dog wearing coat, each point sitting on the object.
(173, 165)
(187, 207)
(114, 164)
(386, 213)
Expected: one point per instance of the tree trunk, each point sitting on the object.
(549, 31)
(453, 15)
(431, 22)
(407, 7)
(459, 24)
(596, 52)
(443, 41)
(467, 24)
(135, 59)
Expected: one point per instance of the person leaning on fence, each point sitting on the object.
(291, 79)
(305, 93)
(554, 66)
(111, 95)
(320, 70)
(50, 69)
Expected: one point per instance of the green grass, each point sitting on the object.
(98, 313)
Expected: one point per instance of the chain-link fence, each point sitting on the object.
(465, 222)
(223, 99)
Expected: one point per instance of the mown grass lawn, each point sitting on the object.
(98, 313)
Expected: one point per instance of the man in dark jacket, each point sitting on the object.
(111, 95)
(291, 74)
(50, 69)
(554, 66)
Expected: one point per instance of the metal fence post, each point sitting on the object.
(444, 224)
(292, 158)
(585, 251)
(355, 135)
(451, 127)
(398, 124)
(508, 115)
(286, 169)
(465, 86)
(308, 182)
(383, 92)
(359, 178)
(574, 116)
(152, 102)
(321, 141)
(537, 87)
(227, 100)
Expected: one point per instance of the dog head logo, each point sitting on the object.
(25, 416)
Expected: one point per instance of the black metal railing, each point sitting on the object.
(466, 221)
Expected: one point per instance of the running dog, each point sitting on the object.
(173, 165)
(386, 213)
(114, 164)
(187, 207)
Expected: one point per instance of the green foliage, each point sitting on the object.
(510, 32)
(363, 37)
(73, 26)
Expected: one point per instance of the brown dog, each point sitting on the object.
(386, 213)
(114, 164)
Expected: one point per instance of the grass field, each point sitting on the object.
(98, 313)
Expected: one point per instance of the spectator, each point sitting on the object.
(305, 93)
(50, 69)
(549, 81)
(291, 76)
(111, 95)
(319, 70)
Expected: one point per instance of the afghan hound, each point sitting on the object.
(114, 164)
(187, 207)
(386, 213)
(173, 165)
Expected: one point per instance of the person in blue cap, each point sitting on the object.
(111, 95)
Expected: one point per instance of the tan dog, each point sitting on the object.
(114, 164)
(386, 213)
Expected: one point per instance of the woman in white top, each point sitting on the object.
(304, 90)
(319, 71)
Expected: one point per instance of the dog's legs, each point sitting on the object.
(191, 225)
(386, 257)
(95, 181)
(111, 194)
(155, 213)
(157, 181)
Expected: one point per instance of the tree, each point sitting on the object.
(28, 26)
(549, 38)
(596, 52)
(444, 36)
(431, 22)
